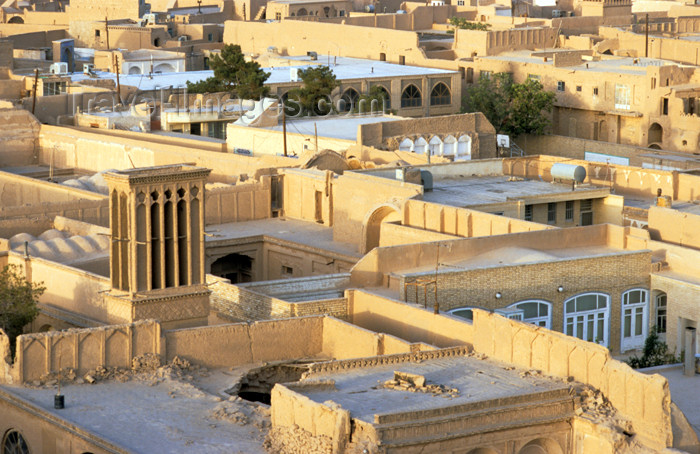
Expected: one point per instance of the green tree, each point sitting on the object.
(18, 299)
(314, 96)
(234, 74)
(464, 24)
(655, 353)
(374, 101)
(513, 109)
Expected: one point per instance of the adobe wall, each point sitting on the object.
(356, 197)
(259, 141)
(405, 321)
(74, 148)
(313, 284)
(18, 190)
(38, 354)
(672, 226)
(238, 203)
(66, 287)
(393, 234)
(625, 180)
(342, 340)
(643, 399)
(91, 211)
(303, 189)
(20, 147)
(463, 222)
(573, 147)
(28, 36)
(247, 343)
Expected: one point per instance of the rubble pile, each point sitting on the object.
(241, 412)
(294, 440)
(404, 381)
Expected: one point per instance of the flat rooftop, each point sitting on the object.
(476, 380)
(342, 127)
(344, 69)
(484, 190)
(150, 416)
(308, 234)
(616, 65)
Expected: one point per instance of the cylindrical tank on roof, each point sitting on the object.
(568, 172)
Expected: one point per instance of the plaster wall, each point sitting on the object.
(18, 190)
(673, 226)
(271, 142)
(393, 234)
(20, 147)
(239, 203)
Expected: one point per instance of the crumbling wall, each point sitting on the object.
(83, 350)
(643, 399)
(20, 147)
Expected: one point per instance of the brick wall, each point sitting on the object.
(611, 274)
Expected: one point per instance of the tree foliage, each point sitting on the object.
(513, 109)
(18, 299)
(232, 73)
(314, 96)
(464, 24)
(374, 101)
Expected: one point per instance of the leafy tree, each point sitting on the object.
(234, 74)
(512, 108)
(464, 24)
(314, 96)
(374, 101)
(18, 299)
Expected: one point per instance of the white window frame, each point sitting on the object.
(544, 321)
(464, 308)
(589, 316)
(628, 312)
(623, 97)
(657, 298)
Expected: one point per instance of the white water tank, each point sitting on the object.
(568, 172)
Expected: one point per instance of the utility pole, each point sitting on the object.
(284, 128)
(36, 83)
(116, 70)
(107, 32)
(646, 37)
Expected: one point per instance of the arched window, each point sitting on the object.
(411, 97)
(464, 148)
(440, 96)
(14, 443)
(587, 317)
(302, 12)
(380, 100)
(435, 146)
(635, 304)
(463, 312)
(536, 312)
(661, 313)
(449, 147)
(350, 100)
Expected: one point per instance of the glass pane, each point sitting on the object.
(579, 327)
(633, 297)
(661, 300)
(529, 309)
(586, 303)
(602, 301)
(571, 306)
(601, 329)
(589, 330)
(627, 322)
(638, 321)
(464, 313)
(569, 326)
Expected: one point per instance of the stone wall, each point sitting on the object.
(82, 349)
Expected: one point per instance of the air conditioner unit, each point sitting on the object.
(149, 19)
(88, 68)
(58, 68)
(183, 38)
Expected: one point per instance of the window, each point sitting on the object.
(533, 77)
(402, 60)
(210, 37)
(411, 97)
(287, 271)
(470, 75)
(350, 100)
(634, 319)
(661, 313)
(460, 2)
(653, 83)
(578, 88)
(528, 212)
(561, 85)
(512, 313)
(440, 96)
(14, 443)
(664, 106)
(54, 88)
(551, 213)
(278, 16)
(97, 33)
(689, 106)
(485, 74)
(216, 129)
(569, 211)
(341, 13)
(463, 312)
(623, 97)
(382, 56)
(586, 317)
(535, 311)
(586, 211)
(595, 91)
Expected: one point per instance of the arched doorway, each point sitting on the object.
(406, 145)
(237, 268)
(449, 147)
(372, 225)
(349, 100)
(164, 68)
(421, 146)
(656, 134)
(435, 146)
(541, 446)
(16, 20)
